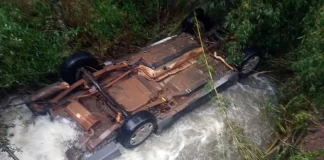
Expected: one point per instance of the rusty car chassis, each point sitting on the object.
(124, 102)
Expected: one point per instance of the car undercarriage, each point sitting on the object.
(125, 101)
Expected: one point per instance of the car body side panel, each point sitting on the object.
(108, 152)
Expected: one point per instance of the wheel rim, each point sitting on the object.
(250, 65)
(141, 133)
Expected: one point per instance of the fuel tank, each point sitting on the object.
(81, 115)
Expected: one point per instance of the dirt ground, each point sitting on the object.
(314, 140)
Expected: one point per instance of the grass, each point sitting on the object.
(245, 147)
(36, 36)
(290, 33)
(27, 55)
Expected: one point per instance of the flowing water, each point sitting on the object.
(200, 135)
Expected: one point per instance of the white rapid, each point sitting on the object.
(37, 138)
(197, 135)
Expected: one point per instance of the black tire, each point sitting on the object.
(188, 24)
(252, 59)
(75, 61)
(42, 111)
(133, 124)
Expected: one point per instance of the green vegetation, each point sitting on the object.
(307, 155)
(235, 134)
(26, 53)
(36, 35)
(290, 33)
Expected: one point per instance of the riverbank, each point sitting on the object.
(314, 140)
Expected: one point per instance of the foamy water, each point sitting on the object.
(38, 138)
(198, 135)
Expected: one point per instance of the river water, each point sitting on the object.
(200, 135)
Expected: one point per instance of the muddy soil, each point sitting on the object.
(314, 140)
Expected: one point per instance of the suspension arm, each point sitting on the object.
(109, 100)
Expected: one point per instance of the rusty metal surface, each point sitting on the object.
(96, 141)
(152, 79)
(49, 91)
(85, 141)
(81, 115)
(177, 44)
(82, 81)
(102, 112)
(151, 104)
(184, 80)
(37, 107)
(171, 67)
(153, 86)
(131, 93)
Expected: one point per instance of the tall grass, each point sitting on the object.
(29, 50)
(291, 34)
(33, 43)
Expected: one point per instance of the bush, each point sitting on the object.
(290, 33)
(107, 20)
(33, 43)
(309, 64)
(27, 53)
(287, 29)
(273, 26)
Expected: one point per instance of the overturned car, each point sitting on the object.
(125, 101)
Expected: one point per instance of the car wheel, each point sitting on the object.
(250, 63)
(137, 129)
(189, 23)
(69, 69)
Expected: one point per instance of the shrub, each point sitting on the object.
(107, 20)
(27, 54)
(273, 26)
(291, 33)
(309, 64)
(33, 44)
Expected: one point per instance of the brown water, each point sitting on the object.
(198, 135)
